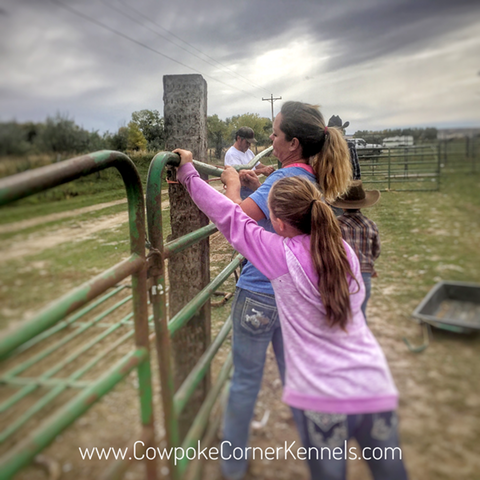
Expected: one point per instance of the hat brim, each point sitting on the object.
(371, 198)
(250, 140)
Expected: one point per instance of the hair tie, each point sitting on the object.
(325, 130)
(312, 202)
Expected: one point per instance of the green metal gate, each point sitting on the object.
(100, 308)
(60, 324)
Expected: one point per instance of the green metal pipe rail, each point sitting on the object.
(52, 320)
(174, 402)
(67, 319)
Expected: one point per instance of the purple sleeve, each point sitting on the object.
(264, 249)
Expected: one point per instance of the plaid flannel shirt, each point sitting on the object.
(361, 234)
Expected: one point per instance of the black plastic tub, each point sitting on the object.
(453, 306)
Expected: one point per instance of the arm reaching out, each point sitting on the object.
(252, 241)
(233, 181)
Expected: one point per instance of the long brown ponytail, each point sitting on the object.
(298, 202)
(332, 165)
(325, 148)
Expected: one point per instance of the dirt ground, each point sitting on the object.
(439, 409)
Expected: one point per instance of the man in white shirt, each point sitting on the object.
(240, 154)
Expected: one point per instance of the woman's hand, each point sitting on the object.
(229, 176)
(185, 156)
(249, 179)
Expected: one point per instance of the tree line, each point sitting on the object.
(420, 135)
(145, 132)
(59, 134)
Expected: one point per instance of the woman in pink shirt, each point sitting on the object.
(336, 373)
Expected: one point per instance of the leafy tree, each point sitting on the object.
(13, 139)
(430, 134)
(218, 137)
(119, 140)
(260, 125)
(152, 127)
(95, 142)
(135, 139)
(60, 134)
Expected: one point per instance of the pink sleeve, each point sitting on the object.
(264, 249)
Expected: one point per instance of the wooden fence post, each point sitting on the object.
(185, 116)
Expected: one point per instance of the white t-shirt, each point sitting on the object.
(236, 157)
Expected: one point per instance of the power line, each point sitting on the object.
(121, 34)
(271, 100)
(157, 33)
(190, 45)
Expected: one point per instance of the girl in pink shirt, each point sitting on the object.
(336, 373)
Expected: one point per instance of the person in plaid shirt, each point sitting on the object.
(360, 232)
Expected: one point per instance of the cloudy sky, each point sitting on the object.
(377, 63)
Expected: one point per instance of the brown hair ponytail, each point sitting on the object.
(298, 202)
(325, 147)
(332, 165)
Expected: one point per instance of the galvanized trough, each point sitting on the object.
(453, 306)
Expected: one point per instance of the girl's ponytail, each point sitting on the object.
(298, 202)
(331, 264)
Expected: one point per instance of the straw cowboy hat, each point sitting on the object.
(357, 197)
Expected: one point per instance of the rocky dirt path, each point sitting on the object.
(33, 222)
(36, 243)
(19, 246)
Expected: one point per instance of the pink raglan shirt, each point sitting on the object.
(328, 370)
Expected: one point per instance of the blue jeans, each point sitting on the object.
(367, 280)
(324, 435)
(245, 192)
(255, 325)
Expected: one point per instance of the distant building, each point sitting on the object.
(398, 141)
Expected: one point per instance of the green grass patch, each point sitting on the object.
(429, 236)
(100, 187)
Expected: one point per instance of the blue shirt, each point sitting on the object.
(251, 279)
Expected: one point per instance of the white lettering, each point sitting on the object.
(288, 450)
(221, 450)
(201, 452)
(135, 450)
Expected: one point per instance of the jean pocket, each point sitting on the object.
(258, 317)
(326, 429)
(384, 425)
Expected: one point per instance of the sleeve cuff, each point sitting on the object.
(185, 170)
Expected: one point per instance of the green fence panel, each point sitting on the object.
(54, 319)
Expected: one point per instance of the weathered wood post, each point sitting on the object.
(185, 116)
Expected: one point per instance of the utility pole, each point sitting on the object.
(271, 100)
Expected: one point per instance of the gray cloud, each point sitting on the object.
(100, 64)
